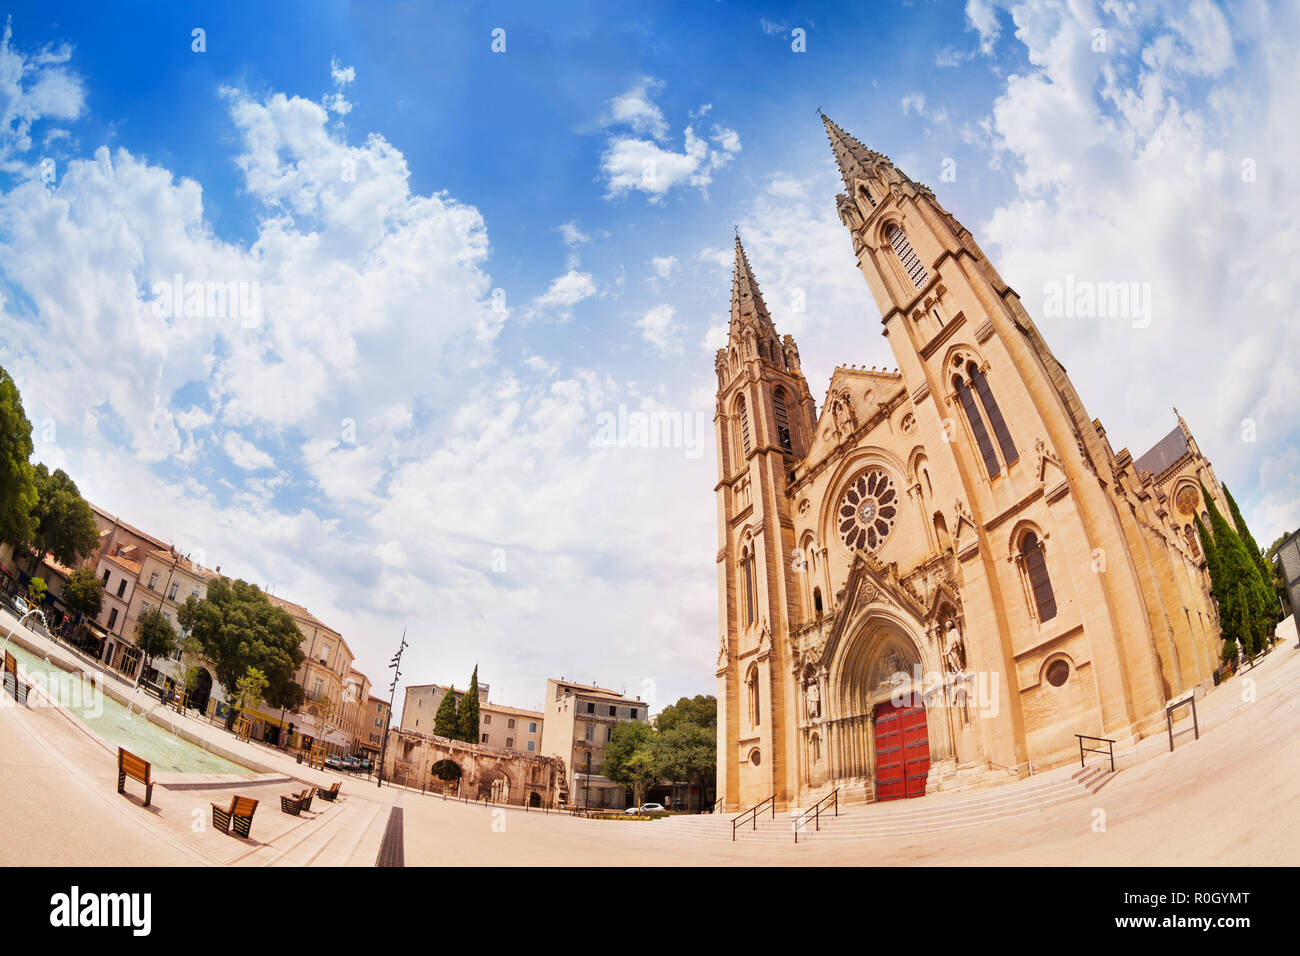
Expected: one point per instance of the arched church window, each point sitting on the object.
(981, 386)
(751, 694)
(744, 427)
(976, 422)
(910, 261)
(1031, 551)
(782, 419)
(816, 748)
(865, 195)
(868, 510)
(747, 563)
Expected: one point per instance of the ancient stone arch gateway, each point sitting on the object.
(481, 772)
(947, 573)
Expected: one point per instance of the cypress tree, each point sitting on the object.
(1246, 537)
(469, 711)
(445, 722)
(1263, 599)
(1239, 597)
(1211, 561)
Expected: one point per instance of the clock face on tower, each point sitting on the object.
(868, 510)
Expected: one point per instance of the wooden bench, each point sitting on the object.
(129, 765)
(13, 685)
(240, 812)
(304, 799)
(291, 803)
(331, 794)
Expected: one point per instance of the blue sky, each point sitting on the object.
(462, 266)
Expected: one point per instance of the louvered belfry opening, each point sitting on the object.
(977, 427)
(907, 256)
(782, 420)
(981, 385)
(744, 426)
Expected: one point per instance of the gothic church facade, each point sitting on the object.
(947, 572)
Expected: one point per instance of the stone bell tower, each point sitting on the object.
(765, 420)
(1042, 549)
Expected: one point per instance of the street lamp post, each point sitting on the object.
(586, 785)
(396, 665)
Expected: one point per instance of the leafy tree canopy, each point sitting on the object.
(84, 592)
(154, 634)
(65, 523)
(701, 710)
(240, 628)
(17, 478)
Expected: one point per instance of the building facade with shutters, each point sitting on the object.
(945, 573)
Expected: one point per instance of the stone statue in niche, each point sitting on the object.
(813, 699)
(954, 649)
(791, 353)
(723, 650)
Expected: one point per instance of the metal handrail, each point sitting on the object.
(1109, 751)
(752, 813)
(718, 804)
(816, 811)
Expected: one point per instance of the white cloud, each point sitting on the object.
(660, 330)
(33, 88)
(635, 109)
(1130, 170)
(566, 290)
(245, 454)
(983, 16)
(635, 163)
(664, 266)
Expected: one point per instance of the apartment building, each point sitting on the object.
(356, 696)
(376, 720)
(579, 720)
(327, 663)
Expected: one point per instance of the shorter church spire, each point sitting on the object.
(747, 303)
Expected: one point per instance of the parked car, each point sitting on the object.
(351, 764)
(646, 808)
(333, 762)
(20, 605)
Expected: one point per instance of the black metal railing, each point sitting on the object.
(751, 815)
(815, 812)
(1108, 750)
(718, 805)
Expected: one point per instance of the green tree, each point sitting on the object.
(65, 523)
(1247, 538)
(17, 478)
(468, 717)
(1243, 611)
(445, 721)
(701, 710)
(154, 636)
(250, 688)
(36, 591)
(632, 758)
(239, 628)
(84, 592)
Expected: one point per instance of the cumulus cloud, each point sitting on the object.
(632, 162)
(659, 329)
(1140, 162)
(35, 88)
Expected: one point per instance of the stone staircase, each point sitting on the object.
(346, 833)
(900, 818)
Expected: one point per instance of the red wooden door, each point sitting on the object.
(902, 752)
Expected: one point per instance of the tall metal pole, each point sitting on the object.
(396, 665)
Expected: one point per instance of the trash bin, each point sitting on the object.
(300, 756)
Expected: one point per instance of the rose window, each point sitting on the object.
(867, 511)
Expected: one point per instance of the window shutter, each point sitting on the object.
(1039, 582)
(910, 260)
(1009, 453)
(977, 426)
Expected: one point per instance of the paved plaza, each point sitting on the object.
(1219, 800)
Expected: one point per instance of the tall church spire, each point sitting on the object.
(854, 159)
(747, 305)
